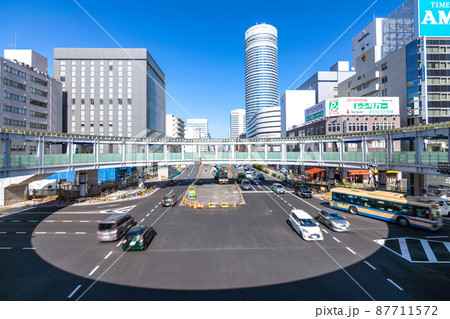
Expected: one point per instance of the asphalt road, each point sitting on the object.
(246, 253)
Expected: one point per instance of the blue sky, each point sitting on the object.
(198, 44)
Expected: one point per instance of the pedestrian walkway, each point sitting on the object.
(431, 249)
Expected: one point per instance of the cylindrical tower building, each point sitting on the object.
(261, 68)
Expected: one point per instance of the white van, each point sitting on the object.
(305, 225)
(444, 204)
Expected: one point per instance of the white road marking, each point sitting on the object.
(336, 239)
(142, 220)
(118, 244)
(41, 232)
(324, 231)
(2, 232)
(33, 221)
(171, 192)
(21, 232)
(428, 251)
(448, 246)
(28, 248)
(49, 221)
(152, 210)
(369, 265)
(93, 270)
(15, 221)
(147, 215)
(351, 251)
(390, 280)
(80, 232)
(111, 205)
(73, 292)
(1, 221)
(84, 221)
(5, 248)
(404, 249)
(60, 232)
(108, 255)
(66, 221)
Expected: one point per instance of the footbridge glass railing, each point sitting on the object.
(56, 159)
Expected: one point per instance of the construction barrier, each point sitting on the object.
(212, 205)
(224, 205)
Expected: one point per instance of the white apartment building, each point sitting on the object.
(265, 123)
(174, 126)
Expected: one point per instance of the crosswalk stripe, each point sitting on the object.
(404, 249)
(448, 246)
(428, 251)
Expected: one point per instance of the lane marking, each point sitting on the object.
(142, 220)
(404, 249)
(351, 251)
(108, 255)
(369, 265)
(80, 232)
(428, 251)
(28, 248)
(390, 280)
(73, 292)
(120, 241)
(21, 232)
(33, 221)
(60, 232)
(49, 221)
(84, 221)
(147, 215)
(41, 232)
(93, 270)
(5, 248)
(111, 205)
(2, 232)
(15, 221)
(324, 231)
(171, 192)
(336, 239)
(66, 221)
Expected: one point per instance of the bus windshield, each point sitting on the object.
(435, 213)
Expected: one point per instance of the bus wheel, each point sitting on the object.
(353, 210)
(402, 221)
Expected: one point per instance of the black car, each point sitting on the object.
(303, 191)
(261, 177)
(138, 238)
(169, 200)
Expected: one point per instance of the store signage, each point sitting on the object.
(433, 18)
(353, 106)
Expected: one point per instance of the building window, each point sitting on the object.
(14, 97)
(18, 148)
(14, 84)
(384, 79)
(38, 114)
(38, 126)
(38, 81)
(38, 103)
(7, 121)
(38, 92)
(384, 92)
(384, 66)
(32, 148)
(14, 71)
(13, 109)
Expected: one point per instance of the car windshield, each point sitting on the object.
(245, 182)
(336, 216)
(135, 232)
(308, 222)
(168, 198)
(106, 227)
(305, 189)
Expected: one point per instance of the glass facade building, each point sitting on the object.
(261, 69)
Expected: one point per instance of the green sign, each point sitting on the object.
(314, 116)
(370, 106)
(333, 106)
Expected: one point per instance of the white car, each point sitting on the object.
(305, 225)
(248, 175)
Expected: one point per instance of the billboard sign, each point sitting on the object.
(363, 106)
(315, 112)
(433, 18)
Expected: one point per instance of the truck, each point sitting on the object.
(222, 176)
(240, 175)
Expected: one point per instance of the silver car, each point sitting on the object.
(278, 188)
(334, 220)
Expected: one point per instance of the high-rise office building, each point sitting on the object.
(261, 69)
(265, 123)
(237, 123)
(31, 99)
(174, 126)
(115, 92)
